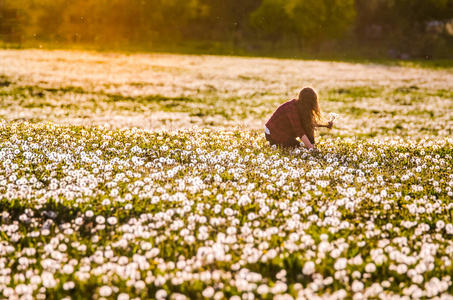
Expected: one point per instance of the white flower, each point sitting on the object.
(244, 200)
(340, 264)
(161, 294)
(417, 279)
(357, 286)
(112, 220)
(401, 268)
(48, 280)
(370, 268)
(69, 285)
(440, 224)
(208, 292)
(105, 291)
(309, 268)
(67, 269)
(449, 228)
(123, 296)
(140, 285)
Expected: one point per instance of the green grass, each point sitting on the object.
(359, 103)
(361, 55)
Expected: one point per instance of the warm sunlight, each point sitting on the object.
(226, 149)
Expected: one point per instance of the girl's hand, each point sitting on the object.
(307, 142)
(329, 124)
(333, 117)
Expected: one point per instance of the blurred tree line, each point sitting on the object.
(412, 28)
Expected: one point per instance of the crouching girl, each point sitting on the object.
(297, 118)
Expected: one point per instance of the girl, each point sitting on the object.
(297, 118)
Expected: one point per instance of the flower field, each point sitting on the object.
(165, 91)
(152, 207)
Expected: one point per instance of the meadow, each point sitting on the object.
(148, 176)
(165, 91)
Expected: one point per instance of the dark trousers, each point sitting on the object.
(291, 142)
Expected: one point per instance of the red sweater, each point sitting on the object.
(284, 123)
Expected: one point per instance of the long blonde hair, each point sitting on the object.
(310, 112)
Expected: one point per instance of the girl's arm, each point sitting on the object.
(333, 117)
(328, 125)
(307, 142)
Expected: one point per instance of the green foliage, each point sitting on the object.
(310, 21)
(272, 19)
(403, 25)
(340, 16)
(307, 17)
(241, 24)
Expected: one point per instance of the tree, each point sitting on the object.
(340, 14)
(307, 18)
(314, 20)
(402, 24)
(271, 19)
(228, 19)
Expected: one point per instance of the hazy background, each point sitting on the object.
(400, 29)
